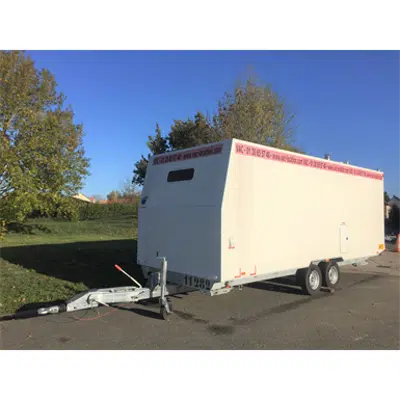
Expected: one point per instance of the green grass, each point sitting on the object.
(45, 231)
(46, 261)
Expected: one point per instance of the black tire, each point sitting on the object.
(164, 314)
(310, 280)
(330, 274)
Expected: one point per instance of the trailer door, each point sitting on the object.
(344, 238)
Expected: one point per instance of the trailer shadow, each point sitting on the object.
(29, 310)
(282, 285)
(90, 263)
(151, 312)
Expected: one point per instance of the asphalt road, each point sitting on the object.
(362, 314)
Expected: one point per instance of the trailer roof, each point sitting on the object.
(268, 153)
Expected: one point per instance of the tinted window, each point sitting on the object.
(180, 175)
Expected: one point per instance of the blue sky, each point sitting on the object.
(346, 103)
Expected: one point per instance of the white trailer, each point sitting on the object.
(232, 213)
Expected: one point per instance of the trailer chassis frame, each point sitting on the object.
(158, 287)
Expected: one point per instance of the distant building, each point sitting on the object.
(394, 201)
(82, 197)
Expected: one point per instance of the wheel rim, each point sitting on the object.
(314, 280)
(333, 275)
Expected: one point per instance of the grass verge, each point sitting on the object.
(53, 260)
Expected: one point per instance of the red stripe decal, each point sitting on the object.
(275, 155)
(188, 154)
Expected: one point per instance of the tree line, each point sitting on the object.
(252, 112)
(127, 194)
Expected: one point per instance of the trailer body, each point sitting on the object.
(236, 212)
(233, 212)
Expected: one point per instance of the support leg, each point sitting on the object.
(165, 309)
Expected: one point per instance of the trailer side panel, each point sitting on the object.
(283, 211)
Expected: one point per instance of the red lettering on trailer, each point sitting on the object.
(187, 155)
(275, 155)
(240, 273)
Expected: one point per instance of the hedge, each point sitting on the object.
(77, 210)
(97, 211)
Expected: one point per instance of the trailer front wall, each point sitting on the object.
(282, 215)
(181, 220)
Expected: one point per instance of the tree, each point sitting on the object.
(253, 112)
(394, 216)
(156, 145)
(42, 154)
(98, 197)
(129, 192)
(126, 194)
(114, 196)
(191, 133)
(386, 197)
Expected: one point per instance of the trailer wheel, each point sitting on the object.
(330, 274)
(171, 307)
(163, 310)
(164, 314)
(310, 279)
